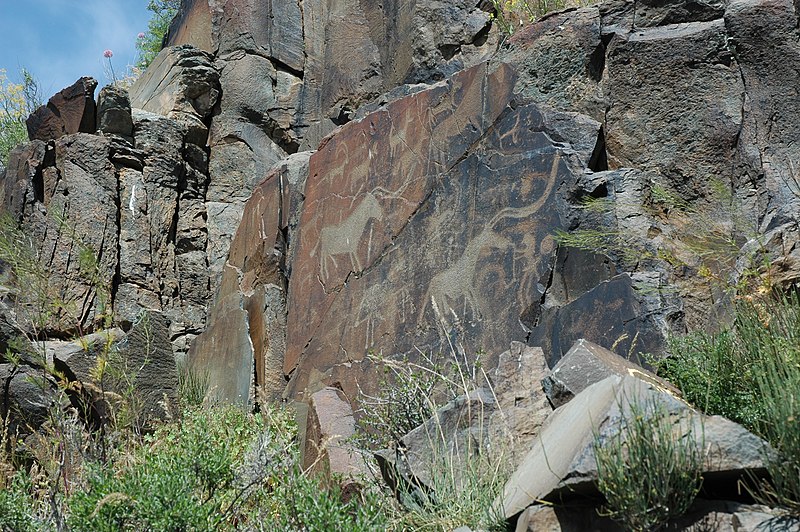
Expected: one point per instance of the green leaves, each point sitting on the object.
(150, 44)
(648, 471)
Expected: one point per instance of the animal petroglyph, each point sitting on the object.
(345, 237)
(457, 282)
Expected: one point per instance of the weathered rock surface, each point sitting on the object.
(70, 111)
(328, 447)
(140, 362)
(119, 219)
(561, 461)
(587, 363)
(27, 396)
(324, 61)
(114, 112)
(247, 326)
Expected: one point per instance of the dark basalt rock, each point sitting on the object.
(70, 111)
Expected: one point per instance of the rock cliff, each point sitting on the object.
(296, 186)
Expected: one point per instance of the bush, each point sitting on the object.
(149, 44)
(17, 102)
(184, 476)
(648, 472)
(751, 374)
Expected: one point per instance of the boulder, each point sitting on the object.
(587, 363)
(114, 112)
(491, 427)
(328, 449)
(181, 83)
(138, 365)
(561, 462)
(72, 110)
(27, 396)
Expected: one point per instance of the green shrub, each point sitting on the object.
(17, 101)
(16, 504)
(713, 376)
(149, 44)
(648, 471)
(181, 477)
(751, 374)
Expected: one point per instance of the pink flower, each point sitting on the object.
(141, 35)
(108, 54)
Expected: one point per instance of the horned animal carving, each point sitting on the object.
(345, 237)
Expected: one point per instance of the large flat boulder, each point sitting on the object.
(561, 462)
(587, 363)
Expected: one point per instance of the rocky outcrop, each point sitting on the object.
(119, 218)
(70, 111)
(320, 62)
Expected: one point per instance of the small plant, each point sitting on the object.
(648, 471)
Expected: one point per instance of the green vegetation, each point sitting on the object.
(17, 102)
(464, 477)
(513, 14)
(149, 42)
(751, 373)
(648, 471)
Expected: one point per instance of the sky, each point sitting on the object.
(59, 41)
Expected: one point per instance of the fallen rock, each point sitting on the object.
(70, 111)
(561, 462)
(587, 363)
(27, 396)
(492, 426)
(328, 449)
(140, 368)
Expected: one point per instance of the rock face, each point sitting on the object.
(427, 211)
(120, 218)
(70, 111)
(320, 62)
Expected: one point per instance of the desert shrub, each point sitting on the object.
(713, 375)
(187, 475)
(17, 101)
(751, 373)
(16, 504)
(647, 471)
(149, 42)
(308, 506)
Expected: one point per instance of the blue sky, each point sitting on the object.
(61, 40)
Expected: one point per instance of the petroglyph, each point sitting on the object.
(345, 237)
(457, 282)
